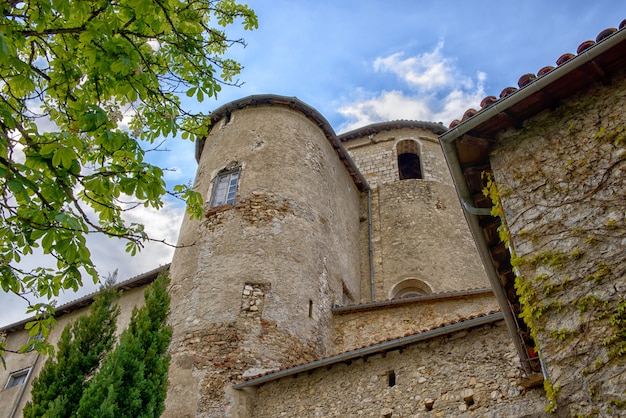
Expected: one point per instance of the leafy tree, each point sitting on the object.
(57, 390)
(132, 382)
(82, 68)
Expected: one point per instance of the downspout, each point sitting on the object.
(371, 246)
(471, 215)
(23, 389)
(469, 208)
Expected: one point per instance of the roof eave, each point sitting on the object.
(292, 103)
(448, 143)
(537, 85)
(372, 350)
(133, 282)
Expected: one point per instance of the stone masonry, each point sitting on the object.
(562, 181)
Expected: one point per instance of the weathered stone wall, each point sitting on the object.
(292, 233)
(423, 235)
(562, 182)
(377, 158)
(369, 325)
(478, 365)
(17, 396)
(419, 231)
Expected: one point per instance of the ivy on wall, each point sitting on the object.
(562, 214)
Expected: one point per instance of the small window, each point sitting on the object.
(409, 165)
(410, 288)
(32, 342)
(225, 188)
(17, 378)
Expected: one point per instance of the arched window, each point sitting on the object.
(409, 288)
(409, 166)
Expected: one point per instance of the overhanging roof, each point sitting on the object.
(134, 282)
(371, 350)
(468, 143)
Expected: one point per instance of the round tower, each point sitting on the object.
(420, 242)
(254, 281)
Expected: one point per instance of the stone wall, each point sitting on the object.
(367, 325)
(418, 229)
(292, 234)
(377, 159)
(423, 235)
(562, 182)
(468, 374)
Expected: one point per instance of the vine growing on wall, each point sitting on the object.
(563, 213)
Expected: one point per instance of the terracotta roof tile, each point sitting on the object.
(339, 309)
(527, 79)
(545, 70)
(564, 58)
(381, 342)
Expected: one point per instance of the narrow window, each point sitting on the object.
(409, 165)
(391, 378)
(32, 342)
(225, 188)
(310, 308)
(17, 378)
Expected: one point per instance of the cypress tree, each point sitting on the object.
(132, 381)
(57, 390)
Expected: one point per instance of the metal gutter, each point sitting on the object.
(450, 152)
(371, 350)
(469, 208)
(370, 234)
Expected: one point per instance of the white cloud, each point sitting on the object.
(427, 71)
(108, 255)
(434, 89)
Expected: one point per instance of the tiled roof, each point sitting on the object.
(415, 299)
(133, 282)
(380, 347)
(436, 128)
(292, 103)
(526, 79)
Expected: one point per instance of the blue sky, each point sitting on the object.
(359, 62)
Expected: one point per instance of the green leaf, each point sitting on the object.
(88, 66)
(48, 240)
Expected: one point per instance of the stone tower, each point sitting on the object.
(293, 229)
(255, 281)
(419, 241)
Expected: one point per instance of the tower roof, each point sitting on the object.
(298, 105)
(436, 128)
